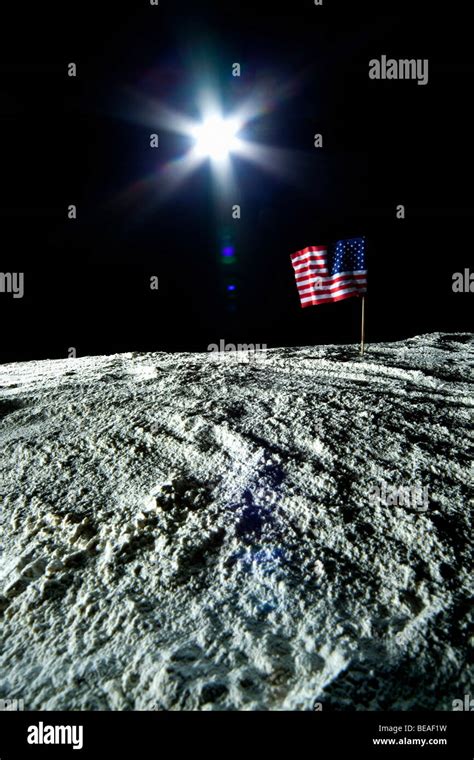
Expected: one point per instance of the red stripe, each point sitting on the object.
(311, 271)
(334, 278)
(317, 302)
(313, 262)
(308, 249)
(310, 266)
(300, 266)
(327, 283)
(319, 292)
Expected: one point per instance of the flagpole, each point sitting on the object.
(362, 327)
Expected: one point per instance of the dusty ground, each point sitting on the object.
(184, 534)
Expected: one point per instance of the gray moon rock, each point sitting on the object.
(287, 530)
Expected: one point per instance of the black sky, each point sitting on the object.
(77, 141)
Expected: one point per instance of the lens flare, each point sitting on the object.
(212, 135)
(216, 138)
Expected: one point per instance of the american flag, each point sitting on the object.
(330, 273)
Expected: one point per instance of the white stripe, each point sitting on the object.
(303, 284)
(312, 273)
(319, 291)
(309, 254)
(310, 263)
(326, 284)
(355, 271)
(327, 296)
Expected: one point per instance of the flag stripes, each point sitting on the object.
(324, 275)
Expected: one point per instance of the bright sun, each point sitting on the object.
(216, 138)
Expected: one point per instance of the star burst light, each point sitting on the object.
(216, 137)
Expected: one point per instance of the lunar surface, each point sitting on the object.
(282, 531)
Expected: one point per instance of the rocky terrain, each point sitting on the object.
(181, 533)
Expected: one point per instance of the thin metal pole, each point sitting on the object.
(362, 327)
